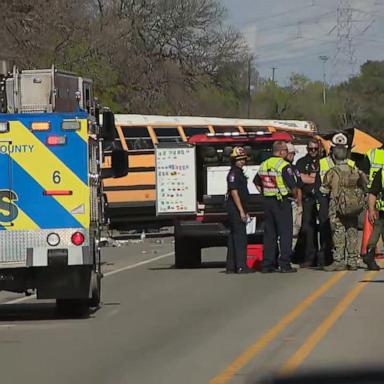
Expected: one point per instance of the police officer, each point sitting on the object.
(297, 210)
(276, 180)
(376, 217)
(238, 196)
(308, 167)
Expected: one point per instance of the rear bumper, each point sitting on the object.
(209, 234)
(50, 282)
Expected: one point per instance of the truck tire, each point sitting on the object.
(94, 301)
(187, 253)
(71, 307)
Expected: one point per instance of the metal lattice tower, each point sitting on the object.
(345, 43)
(351, 23)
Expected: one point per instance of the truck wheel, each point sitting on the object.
(187, 253)
(70, 307)
(94, 301)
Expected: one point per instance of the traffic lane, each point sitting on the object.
(123, 254)
(156, 324)
(277, 357)
(356, 340)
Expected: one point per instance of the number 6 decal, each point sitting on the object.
(56, 177)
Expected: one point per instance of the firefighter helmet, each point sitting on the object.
(238, 153)
(339, 140)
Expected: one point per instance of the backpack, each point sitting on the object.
(350, 200)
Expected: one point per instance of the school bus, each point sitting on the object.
(131, 200)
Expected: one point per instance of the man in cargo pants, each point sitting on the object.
(237, 198)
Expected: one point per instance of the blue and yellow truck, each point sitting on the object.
(51, 206)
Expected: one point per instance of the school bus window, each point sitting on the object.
(137, 138)
(225, 129)
(191, 131)
(167, 134)
(255, 129)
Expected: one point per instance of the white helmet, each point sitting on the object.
(339, 140)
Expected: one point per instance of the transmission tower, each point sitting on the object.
(351, 23)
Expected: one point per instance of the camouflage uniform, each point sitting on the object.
(344, 229)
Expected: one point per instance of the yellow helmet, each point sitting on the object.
(238, 153)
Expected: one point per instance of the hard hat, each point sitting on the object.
(339, 140)
(291, 148)
(238, 153)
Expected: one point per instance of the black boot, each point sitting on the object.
(369, 260)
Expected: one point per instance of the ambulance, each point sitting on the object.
(51, 198)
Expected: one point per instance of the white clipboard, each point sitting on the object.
(251, 226)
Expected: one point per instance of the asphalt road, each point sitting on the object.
(161, 325)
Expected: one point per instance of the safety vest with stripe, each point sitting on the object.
(326, 163)
(379, 200)
(271, 175)
(376, 160)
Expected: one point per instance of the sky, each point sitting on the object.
(292, 35)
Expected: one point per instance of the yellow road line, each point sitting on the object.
(310, 343)
(250, 353)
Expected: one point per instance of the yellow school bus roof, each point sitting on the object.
(158, 121)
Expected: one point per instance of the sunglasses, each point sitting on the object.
(313, 149)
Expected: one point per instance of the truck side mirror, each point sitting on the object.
(108, 128)
(119, 163)
(119, 166)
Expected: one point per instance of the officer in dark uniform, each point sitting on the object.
(308, 166)
(238, 196)
(277, 182)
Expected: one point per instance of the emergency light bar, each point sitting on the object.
(70, 125)
(57, 193)
(4, 126)
(41, 126)
(240, 134)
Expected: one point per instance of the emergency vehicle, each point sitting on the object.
(51, 208)
(199, 210)
(132, 199)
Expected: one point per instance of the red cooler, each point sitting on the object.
(254, 256)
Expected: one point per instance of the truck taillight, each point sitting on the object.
(77, 238)
(56, 140)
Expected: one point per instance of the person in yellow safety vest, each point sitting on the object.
(325, 164)
(375, 158)
(376, 218)
(277, 182)
(373, 162)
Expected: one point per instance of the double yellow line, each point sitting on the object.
(302, 353)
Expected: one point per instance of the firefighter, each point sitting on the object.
(237, 198)
(376, 218)
(276, 181)
(326, 163)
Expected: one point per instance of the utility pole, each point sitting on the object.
(324, 59)
(273, 73)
